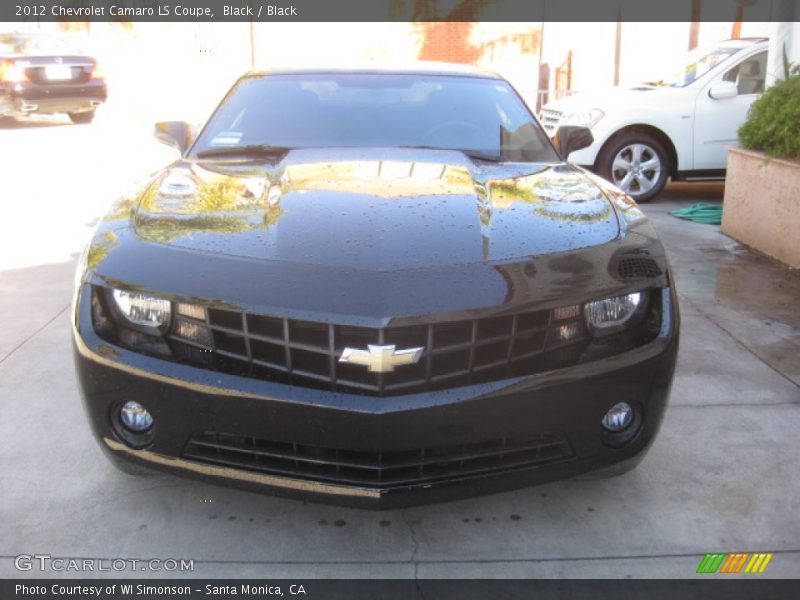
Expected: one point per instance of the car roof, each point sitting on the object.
(414, 68)
(742, 42)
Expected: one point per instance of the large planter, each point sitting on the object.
(762, 204)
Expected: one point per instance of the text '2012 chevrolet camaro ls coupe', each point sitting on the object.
(375, 288)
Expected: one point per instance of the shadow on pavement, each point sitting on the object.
(33, 122)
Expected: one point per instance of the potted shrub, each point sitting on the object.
(762, 189)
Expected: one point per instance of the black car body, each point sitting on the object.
(43, 74)
(289, 273)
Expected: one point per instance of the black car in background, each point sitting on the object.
(45, 75)
(375, 288)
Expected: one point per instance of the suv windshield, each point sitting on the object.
(483, 117)
(697, 64)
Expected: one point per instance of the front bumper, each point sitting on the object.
(185, 401)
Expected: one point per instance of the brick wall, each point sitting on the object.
(447, 42)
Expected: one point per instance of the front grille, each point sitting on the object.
(376, 469)
(550, 119)
(305, 353)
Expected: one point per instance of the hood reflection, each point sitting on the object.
(375, 209)
(187, 201)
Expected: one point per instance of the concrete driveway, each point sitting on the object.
(723, 476)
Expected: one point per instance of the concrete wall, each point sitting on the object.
(762, 204)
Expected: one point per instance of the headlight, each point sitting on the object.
(584, 118)
(141, 309)
(605, 316)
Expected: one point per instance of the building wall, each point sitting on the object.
(785, 37)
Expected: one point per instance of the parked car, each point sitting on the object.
(678, 127)
(43, 74)
(375, 288)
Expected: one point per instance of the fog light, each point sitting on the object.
(619, 417)
(135, 417)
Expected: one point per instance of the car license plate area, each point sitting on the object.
(57, 72)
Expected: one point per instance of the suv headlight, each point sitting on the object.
(609, 315)
(584, 118)
(143, 310)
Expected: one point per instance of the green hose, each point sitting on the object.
(700, 213)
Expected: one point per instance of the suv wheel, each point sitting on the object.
(637, 164)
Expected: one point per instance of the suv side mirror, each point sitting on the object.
(723, 89)
(570, 138)
(177, 134)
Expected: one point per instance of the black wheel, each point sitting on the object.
(81, 118)
(637, 163)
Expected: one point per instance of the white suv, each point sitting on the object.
(677, 127)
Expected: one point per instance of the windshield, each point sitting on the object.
(22, 43)
(697, 64)
(481, 116)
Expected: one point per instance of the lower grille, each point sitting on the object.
(376, 469)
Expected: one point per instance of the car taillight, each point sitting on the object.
(98, 72)
(12, 73)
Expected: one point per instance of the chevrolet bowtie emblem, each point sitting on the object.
(381, 359)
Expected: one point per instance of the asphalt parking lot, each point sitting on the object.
(723, 476)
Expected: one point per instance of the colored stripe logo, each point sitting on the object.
(737, 562)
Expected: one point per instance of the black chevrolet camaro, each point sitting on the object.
(375, 288)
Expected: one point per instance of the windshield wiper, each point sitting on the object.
(249, 150)
(477, 154)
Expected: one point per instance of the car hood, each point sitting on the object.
(377, 210)
(610, 97)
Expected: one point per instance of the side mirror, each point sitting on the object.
(723, 89)
(177, 134)
(570, 138)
